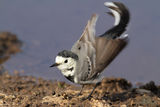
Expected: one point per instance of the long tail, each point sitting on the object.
(122, 16)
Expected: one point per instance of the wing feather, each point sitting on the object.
(89, 32)
(85, 48)
(99, 51)
(107, 49)
(96, 53)
(86, 45)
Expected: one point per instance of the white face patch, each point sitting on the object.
(66, 65)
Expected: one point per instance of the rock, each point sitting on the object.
(9, 45)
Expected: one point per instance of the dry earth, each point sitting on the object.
(27, 91)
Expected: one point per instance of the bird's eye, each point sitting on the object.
(79, 48)
(66, 61)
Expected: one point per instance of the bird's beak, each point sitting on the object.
(55, 64)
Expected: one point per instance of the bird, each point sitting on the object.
(91, 54)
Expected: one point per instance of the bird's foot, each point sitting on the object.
(86, 98)
(79, 94)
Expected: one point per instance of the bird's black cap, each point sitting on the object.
(67, 54)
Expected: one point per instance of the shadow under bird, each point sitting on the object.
(90, 55)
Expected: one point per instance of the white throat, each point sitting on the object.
(70, 71)
(67, 69)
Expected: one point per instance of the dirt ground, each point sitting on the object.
(27, 91)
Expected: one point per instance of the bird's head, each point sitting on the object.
(65, 60)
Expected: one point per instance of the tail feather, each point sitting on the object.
(121, 14)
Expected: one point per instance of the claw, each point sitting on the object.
(86, 98)
(79, 94)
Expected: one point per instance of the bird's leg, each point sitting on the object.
(80, 91)
(89, 96)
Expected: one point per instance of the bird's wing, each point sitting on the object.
(106, 51)
(100, 51)
(85, 47)
(110, 44)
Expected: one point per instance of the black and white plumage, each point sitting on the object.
(90, 55)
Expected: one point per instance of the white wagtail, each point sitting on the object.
(90, 55)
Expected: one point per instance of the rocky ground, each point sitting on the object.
(27, 91)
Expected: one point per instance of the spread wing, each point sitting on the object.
(107, 49)
(85, 47)
(96, 53)
(110, 44)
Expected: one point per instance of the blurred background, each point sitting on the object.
(48, 26)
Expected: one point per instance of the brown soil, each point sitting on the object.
(27, 91)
